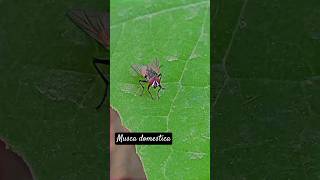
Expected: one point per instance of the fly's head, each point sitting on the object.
(155, 81)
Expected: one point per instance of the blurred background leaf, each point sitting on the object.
(49, 90)
(266, 89)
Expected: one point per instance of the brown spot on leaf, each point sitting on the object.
(125, 164)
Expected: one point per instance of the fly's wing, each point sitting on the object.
(140, 69)
(95, 24)
(155, 66)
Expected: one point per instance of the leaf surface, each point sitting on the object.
(177, 33)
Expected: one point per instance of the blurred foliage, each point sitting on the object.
(266, 89)
(49, 90)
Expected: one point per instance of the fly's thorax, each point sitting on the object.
(151, 72)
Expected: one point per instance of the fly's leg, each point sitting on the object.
(149, 90)
(140, 81)
(103, 99)
(101, 61)
(97, 61)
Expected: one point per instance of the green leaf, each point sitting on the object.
(177, 33)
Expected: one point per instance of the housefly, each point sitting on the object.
(151, 74)
(96, 25)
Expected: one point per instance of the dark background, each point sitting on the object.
(49, 90)
(266, 89)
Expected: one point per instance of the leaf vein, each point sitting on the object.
(184, 6)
